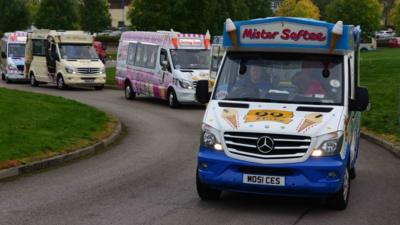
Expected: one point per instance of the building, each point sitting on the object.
(275, 4)
(119, 12)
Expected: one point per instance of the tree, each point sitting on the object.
(366, 13)
(321, 4)
(33, 6)
(14, 15)
(259, 8)
(95, 16)
(396, 17)
(194, 16)
(301, 8)
(58, 14)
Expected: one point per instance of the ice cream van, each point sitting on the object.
(284, 114)
(163, 64)
(12, 56)
(64, 58)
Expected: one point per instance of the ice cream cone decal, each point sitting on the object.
(337, 32)
(231, 30)
(309, 121)
(231, 117)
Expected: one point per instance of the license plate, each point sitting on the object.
(263, 180)
(89, 81)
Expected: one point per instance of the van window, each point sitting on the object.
(38, 48)
(16, 50)
(285, 78)
(146, 56)
(130, 60)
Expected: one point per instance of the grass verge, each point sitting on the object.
(110, 72)
(37, 126)
(380, 72)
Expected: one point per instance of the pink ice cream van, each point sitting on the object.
(163, 64)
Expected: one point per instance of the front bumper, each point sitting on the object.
(306, 179)
(187, 96)
(85, 81)
(17, 76)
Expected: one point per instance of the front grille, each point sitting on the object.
(20, 67)
(88, 70)
(194, 84)
(285, 146)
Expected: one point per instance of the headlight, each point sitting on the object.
(210, 138)
(102, 70)
(11, 67)
(70, 70)
(328, 144)
(185, 84)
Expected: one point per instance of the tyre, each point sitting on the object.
(8, 81)
(340, 199)
(99, 87)
(353, 173)
(205, 192)
(172, 99)
(3, 77)
(129, 92)
(60, 83)
(33, 81)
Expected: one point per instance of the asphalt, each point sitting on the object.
(149, 178)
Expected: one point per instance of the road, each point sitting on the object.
(148, 178)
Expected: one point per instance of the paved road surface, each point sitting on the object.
(148, 178)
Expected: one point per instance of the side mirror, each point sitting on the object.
(3, 55)
(202, 94)
(164, 64)
(361, 103)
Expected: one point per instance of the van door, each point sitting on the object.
(353, 126)
(3, 57)
(164, 73)
(39, 64)
(51, 56)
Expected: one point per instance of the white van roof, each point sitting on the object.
(15, 37)
(73, 36)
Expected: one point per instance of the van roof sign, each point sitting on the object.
(286, 32)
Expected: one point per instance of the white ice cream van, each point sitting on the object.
(64, 58)
(163, 64)
(12, 56)
(284, 114)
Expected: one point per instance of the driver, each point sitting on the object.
(252, 85)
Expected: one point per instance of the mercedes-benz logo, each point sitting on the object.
(265, 144)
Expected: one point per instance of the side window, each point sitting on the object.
(139, 55)
(164, 58)
(38, 48)
(130, 60)
(152, 52)
(146, 56)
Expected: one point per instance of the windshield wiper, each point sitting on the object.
(250, 99)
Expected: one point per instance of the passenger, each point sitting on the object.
(306, 80)
(254, 85)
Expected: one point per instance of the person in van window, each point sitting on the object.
(307, 81)
(254, 84)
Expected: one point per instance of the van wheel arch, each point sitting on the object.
(32, 78)
(128, 90)
(61, 82)
(172, 99)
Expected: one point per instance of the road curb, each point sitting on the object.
(63, 158)
(395, 150)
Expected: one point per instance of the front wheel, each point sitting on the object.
(33, 81)
(129, 92)
(172, 99)
(340, 199)
(205, 192)
(3, 77)
(8, 81)
(60, 83)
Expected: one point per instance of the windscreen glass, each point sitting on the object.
(74, 51)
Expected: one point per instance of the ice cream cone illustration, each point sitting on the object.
(231, 29)
(337, 32)
(309, 121)
(231, 116)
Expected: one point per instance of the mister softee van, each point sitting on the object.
(163, 64)
(64, 58)
(284, 114)
(12, 56)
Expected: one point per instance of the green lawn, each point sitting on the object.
(380, 72)
(35, 126)
(110, 76)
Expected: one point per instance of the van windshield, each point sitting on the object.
(76, 51)
(287, 78)
(16, 50)
(191, 59)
